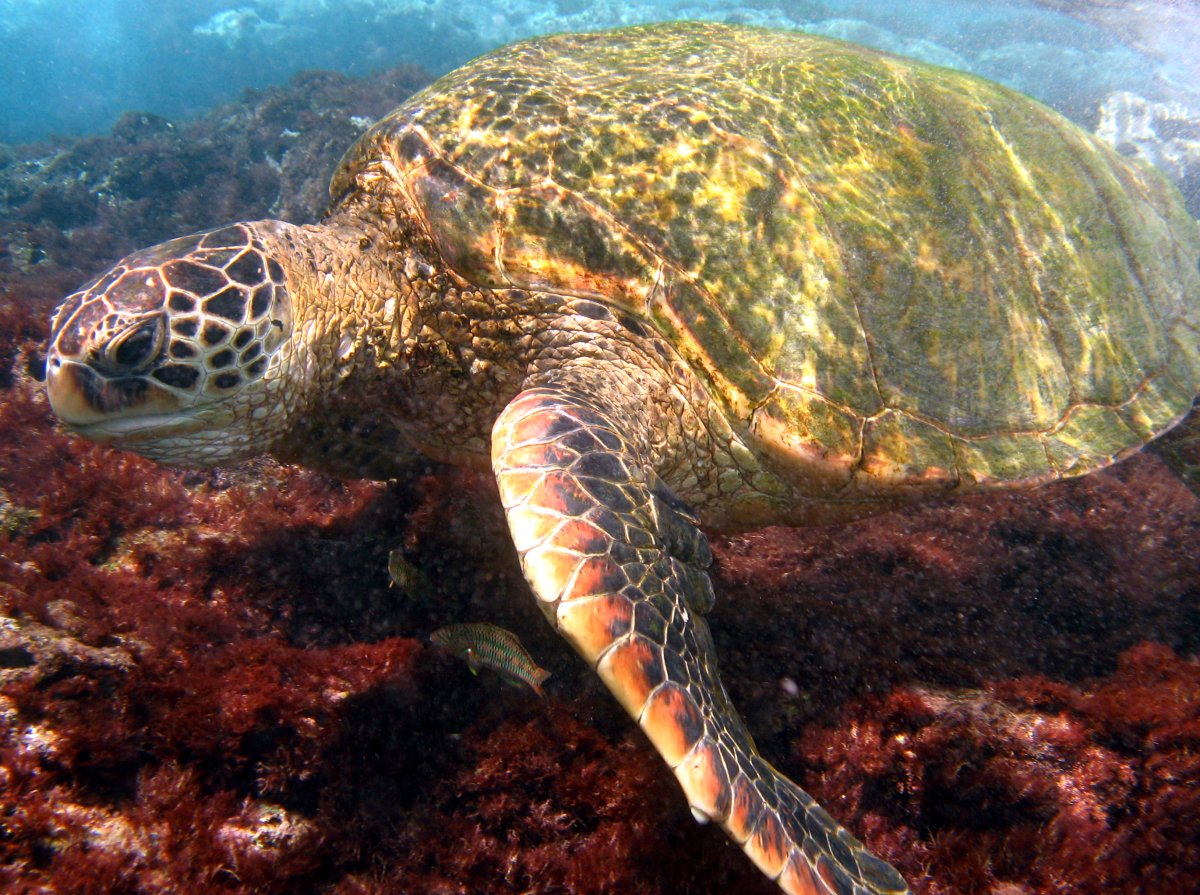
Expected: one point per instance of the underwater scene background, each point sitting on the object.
(210, 683)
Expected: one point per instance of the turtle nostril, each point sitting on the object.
(136, 347)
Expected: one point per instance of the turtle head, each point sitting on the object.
(180, 351)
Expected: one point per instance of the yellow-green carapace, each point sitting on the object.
(890, 274)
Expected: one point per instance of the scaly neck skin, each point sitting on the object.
(394, 354)
(350, 311)
(414, 362)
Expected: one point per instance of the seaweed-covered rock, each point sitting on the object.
(1033, 785)
(78, 204)
(32, 651)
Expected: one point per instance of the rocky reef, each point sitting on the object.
(1163, 134)
(71, 207)
(208, 684)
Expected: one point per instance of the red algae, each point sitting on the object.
(1055, 787)
(208, 685)
(547, 804)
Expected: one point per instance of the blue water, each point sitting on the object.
(73, 66)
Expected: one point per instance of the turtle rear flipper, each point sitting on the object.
(618, 569)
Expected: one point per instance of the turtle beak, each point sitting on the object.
(74, 392)
(105, 409)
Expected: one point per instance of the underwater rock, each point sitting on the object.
(73, 206)
(1164, 30)
(183, 56)
(14, 519)
(1167, 135)
(31, 651)
(1072, 788)
(237, 27)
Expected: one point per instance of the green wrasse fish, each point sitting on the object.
(411, 580)
(487, 646)
(403, 573)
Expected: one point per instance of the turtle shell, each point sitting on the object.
(892, 276)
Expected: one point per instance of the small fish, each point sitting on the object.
(487, 646)
(403, 573)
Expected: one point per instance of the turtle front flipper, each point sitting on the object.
(617, 565)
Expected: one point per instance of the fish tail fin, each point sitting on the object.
(538, 678)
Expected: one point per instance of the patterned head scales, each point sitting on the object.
(169, 341)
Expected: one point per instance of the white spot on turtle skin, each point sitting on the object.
(701, 817)
(790, 687)
(415, 269)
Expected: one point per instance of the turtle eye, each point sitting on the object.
(134, 349)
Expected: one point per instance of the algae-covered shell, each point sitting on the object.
(893, 276)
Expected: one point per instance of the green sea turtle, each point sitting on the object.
(666, 277)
